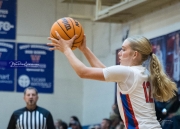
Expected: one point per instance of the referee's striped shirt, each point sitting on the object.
(38, 118)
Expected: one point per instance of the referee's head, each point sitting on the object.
(31, 88)
(31, 97)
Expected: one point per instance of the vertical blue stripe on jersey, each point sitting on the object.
(130, 120)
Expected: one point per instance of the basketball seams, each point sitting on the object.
(73, 46)
(63, 30)
(73, 22)
(73, 26)
(67, 27)
(80, 33)
(78, 37)
(77, 42)
(53, 36)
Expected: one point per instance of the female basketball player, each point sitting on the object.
(134, 85)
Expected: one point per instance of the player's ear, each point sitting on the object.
(135, 54)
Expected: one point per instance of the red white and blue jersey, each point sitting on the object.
(135, 103)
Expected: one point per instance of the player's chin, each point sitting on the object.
(121, 62)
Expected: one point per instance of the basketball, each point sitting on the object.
(68, 27)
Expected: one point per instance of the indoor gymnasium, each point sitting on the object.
(90, 64)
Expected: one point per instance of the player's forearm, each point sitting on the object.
(92, 59)
(76, 64)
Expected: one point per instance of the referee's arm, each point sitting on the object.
(12, 122)
(50, 122)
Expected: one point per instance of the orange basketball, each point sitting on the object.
(68, 27)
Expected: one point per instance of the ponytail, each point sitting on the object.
(163, 88)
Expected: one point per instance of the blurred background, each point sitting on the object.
(25, 26)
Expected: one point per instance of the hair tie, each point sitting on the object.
(151, 53)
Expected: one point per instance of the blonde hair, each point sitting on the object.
(163, 88)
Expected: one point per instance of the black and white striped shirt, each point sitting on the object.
(39, 118)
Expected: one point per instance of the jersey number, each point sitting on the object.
(146, 86)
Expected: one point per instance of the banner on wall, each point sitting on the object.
(35, 67)
(8, 19)
(7, 54)
(173, 57)
(159, 48)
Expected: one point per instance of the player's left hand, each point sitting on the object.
(60, 44)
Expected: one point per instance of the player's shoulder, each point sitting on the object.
(138, 68)
(121, 67)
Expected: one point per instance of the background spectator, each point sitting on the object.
(63, 125)
(106, 123)
(74, 119)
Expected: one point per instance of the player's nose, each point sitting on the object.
(119, 53)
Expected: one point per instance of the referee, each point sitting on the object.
(31, 116)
